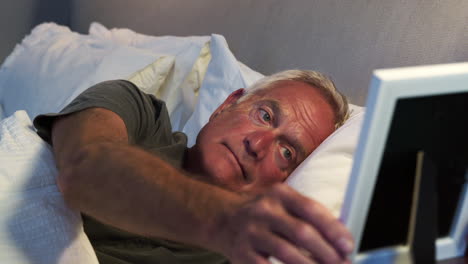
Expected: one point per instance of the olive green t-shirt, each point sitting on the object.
(148, 127)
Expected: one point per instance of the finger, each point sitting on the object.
(318, 216)
(270, 244)
(305, 236)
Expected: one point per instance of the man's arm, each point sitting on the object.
(101, 175)
(104, 177)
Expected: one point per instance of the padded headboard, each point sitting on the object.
(344, 39)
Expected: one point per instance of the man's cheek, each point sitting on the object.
(271, 173)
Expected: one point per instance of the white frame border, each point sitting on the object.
(387, 86)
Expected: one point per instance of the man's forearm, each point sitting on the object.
(136, 191)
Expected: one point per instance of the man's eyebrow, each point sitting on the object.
(278, 115)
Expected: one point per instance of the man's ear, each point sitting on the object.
(230, 100)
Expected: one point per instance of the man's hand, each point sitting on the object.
(288, 226)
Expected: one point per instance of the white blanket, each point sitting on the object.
(35, 224)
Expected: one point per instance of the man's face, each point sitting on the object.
(253, 144)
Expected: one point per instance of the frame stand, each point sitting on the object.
(422, 233)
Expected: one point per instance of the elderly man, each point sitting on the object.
(145, 196)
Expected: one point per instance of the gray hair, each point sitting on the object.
(325, 85)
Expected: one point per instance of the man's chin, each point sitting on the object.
(222, 179)
(217, 179)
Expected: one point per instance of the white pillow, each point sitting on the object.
(35, 224)
(44, 69)
(188, 51)
(222, 78)
(192, 55)
(41, 79)
(122, 62)
(170, 45)
(53, 65)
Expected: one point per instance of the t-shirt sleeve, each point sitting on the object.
(121, 97)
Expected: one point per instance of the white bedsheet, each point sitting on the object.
(35, 224)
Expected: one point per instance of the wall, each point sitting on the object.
(345, 39)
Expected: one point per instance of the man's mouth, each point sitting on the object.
(244, 175)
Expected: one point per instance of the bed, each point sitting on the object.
(231, 47)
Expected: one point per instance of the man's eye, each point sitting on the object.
(265, 115)
(286, 153)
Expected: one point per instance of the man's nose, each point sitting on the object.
(259, 143)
